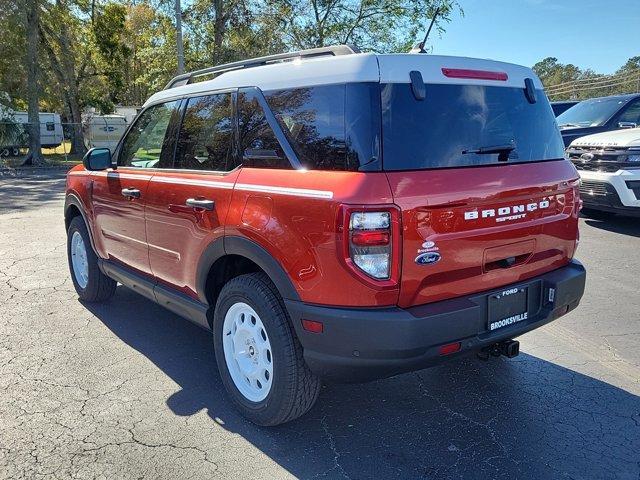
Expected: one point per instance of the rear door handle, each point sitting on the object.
(200, 203)
(130, 192)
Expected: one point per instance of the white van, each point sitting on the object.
(104, 130)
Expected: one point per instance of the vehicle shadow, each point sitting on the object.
(520, 418)
(31, 191)
(618, 224)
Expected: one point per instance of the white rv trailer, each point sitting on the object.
(51, 135)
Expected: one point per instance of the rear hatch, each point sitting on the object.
(477, 167)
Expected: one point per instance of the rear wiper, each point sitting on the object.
(502, 150)
(569, 125)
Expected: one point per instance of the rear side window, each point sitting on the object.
(459, 125)
(631, 114)
(206, 134)
(259, 146)
(313, 120)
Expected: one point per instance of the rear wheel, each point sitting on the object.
(91, 284)
(259, 358)
(596, 214)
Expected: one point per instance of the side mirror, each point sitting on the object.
(97, 159)
(627, 125)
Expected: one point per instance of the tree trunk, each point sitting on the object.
(33, 91)
(64, 68)
(72, 91)
(219, 31)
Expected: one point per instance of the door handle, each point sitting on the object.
(200, 203)
(130, 192)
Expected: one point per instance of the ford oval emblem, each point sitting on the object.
(428, 258)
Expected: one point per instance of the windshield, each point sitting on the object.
(465, 125)
(590, 113)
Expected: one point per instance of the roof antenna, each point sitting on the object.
(419, 47)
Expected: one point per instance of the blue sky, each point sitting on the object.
(597, 34)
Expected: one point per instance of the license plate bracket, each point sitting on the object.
(507, 307)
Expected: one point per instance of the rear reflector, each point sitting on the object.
(450, 348)
(477, 74)
(368, 238)
(312, 326)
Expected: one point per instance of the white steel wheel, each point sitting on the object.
(247, 352)
(79, 260)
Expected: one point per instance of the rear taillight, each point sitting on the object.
(371, 242)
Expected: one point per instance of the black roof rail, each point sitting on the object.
(333, 50)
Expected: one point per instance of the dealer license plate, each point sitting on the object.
(507, 308)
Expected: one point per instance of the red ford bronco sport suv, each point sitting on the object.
(335, 215)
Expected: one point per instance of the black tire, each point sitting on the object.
(99, 288)
(294, 387)
(597, 214)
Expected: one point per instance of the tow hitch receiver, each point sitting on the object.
(508, 348)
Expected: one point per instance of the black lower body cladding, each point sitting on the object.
(366, 344)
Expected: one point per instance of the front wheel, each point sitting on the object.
(91, 284)
(259, 358)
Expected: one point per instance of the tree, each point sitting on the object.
(32, 23)
(113, 52)
(64, 40)
(389, 25)
(570, 82)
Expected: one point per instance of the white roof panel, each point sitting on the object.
(363, 67)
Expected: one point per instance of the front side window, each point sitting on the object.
(146, 144)
(206, 134)
(631, 114)
(259, 146)
(465, 125)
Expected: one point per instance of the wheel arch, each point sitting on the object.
(74, 207)
(228, 257)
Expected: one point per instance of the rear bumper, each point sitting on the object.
(365, 344)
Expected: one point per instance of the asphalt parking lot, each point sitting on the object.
(130, 390)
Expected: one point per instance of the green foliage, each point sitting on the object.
(100, 53)
(113, 53)
(567, 81)
(382, 26)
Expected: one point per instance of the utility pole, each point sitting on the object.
(179, 38)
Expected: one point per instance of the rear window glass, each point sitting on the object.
(459, 125)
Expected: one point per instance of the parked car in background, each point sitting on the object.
(15, 123)
(599, 115)
(104, 130)
(609, 167)
(561, 107)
